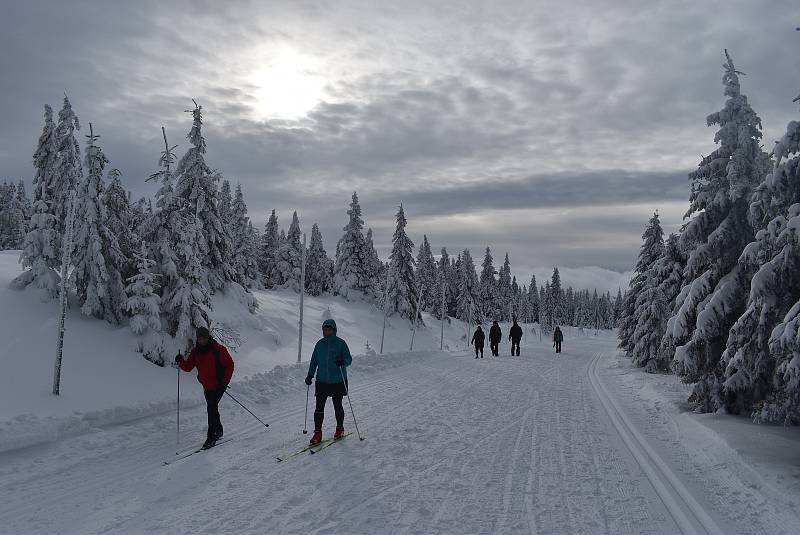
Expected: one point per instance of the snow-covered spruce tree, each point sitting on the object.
(375, 268)
(504, 291)
(68, 173)
(251, 250)
(165, 237)
(40, 250)
(318, 265)
(225, 207)
(96, 256)
(453, 282)
(441, 285)
(270, 242)
(546, 308)
(467, 298)
(671, 266)
(290, 256)
(425, 276)
(143, 307)
(241, 233)
(533, 299)
(402, 292)
(25, 207)
(715, 237)
(514, 304)
(187, 302)
(119, 216)
(618, 307)
(651, 250)
(557, 304)
(762, 367)
(652, 312)
(8, 224)
(487, 288)
(351, 277)
(196, 193)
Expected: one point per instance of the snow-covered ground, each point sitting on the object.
(575, 443)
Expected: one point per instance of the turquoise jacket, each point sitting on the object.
(323, 360)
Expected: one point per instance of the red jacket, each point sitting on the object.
(205, 360)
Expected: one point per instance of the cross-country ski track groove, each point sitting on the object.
(684, 509)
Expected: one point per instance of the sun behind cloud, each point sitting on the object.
(287, 84)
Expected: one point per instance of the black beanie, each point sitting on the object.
(202, 331)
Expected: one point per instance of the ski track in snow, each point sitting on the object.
(533, 444)
(685, 510)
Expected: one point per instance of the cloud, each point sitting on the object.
(550, 131)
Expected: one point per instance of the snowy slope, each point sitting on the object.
(104, 381)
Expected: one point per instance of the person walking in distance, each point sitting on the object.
(214, 371)
(477, 340)
(495, 335)
(515, 335)
(329, 361)
(558, 337)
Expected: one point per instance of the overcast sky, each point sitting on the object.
(548, 130)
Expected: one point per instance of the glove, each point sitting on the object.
(340, 361)
(178, 358)
(308, 380)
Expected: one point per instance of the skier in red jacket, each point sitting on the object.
(214, 371)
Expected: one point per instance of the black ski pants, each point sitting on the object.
(558, 347)
(514, 345)
(319, 411)
(479, 348)
(495, 348)
(213, 398)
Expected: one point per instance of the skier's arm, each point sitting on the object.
(312, 366)
(227, 362)
(348, 359)
(188, 363)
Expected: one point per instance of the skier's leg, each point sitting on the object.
(212, 407)
(338, 409)
(319, 412)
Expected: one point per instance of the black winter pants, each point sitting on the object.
(478, 348)
(558, 347)
(319, 411)
(495, 348)
(212, 405)
(514, 344)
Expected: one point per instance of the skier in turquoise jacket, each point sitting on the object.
(329, 361)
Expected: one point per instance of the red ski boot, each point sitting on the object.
(316, 438)
(339, 433)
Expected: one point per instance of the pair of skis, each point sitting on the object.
(313, 448)
(189, 453)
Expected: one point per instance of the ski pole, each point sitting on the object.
(245, 408)
(178, 438)
(305, 422)
(347, 393)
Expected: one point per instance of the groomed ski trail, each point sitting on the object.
(528, 444)
(685, 510)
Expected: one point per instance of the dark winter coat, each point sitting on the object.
(213, 362)
(515, 333)
(323, 359)
(495, 334)
(478, 338)
(558, 336)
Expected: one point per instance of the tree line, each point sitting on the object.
(156, 263)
